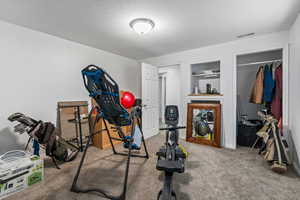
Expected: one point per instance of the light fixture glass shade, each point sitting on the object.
(142, 25)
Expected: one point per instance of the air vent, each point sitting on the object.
(245, 35)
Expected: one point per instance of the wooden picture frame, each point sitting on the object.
(204, 123)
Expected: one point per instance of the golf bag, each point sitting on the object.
(45, 134)
(273, 148)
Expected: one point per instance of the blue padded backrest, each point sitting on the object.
(105, 91)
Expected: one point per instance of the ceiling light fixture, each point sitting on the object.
(142, 25)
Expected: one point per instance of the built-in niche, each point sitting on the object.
(205, 78)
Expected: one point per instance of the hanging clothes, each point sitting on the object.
(258, 87)
(276, 106)
(268, 85)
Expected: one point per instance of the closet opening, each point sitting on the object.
(259, 88)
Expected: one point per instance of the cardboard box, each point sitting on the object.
(101, 140)
(66, 115)
(17, 174)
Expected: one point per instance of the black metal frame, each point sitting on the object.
(135, 119)
(168, 153)
(78, 124)
(167, 192)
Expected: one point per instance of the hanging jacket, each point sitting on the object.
(276, 107)
(258, 87)
(269, 84)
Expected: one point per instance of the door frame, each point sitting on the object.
(285, 85)
(162, 96)
(181, 97)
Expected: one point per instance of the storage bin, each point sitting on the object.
(246, 134)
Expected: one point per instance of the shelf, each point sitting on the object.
(207, 76)
(205, 95)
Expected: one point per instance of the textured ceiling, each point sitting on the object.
(180, 24)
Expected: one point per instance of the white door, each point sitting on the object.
(150, 100)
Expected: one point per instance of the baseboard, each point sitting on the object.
(296, 166)
(148, 137)
(292, 151)
(228, 147)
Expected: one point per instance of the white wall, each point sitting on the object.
(294, 82)
(226, 53)
(38, 70)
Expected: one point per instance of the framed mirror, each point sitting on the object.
(204, 123)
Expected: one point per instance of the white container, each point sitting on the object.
(196, 90)
(18, 171)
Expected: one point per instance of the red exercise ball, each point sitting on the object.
(127, 99)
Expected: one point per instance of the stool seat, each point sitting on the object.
(170, 166)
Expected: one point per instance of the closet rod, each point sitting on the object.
(258, 63)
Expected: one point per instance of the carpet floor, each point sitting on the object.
(211, 174)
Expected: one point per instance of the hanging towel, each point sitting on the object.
(137, 138)
(276, 107)
(258, 87)
(269, 84)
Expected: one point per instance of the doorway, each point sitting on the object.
(162, 96)
(169, 89)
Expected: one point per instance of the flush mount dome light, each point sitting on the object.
(142, 25)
